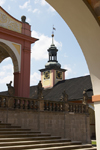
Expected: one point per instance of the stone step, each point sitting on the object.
(23, 135)
(4, 125)
(14, 137)
(14, 126)
(8, 126)
(66, 147)
(92, 148)
(29, 138)
(19, 132)
(43, 146)
(36, 142)
(14, 129)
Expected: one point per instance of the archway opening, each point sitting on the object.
(8, 65)
(6, 73)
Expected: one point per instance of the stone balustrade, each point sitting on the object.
(12, 102)
(18, 102)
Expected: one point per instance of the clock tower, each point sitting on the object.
(52, 73)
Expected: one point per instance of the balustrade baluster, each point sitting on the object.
(71, 108)
(52, 106)
(31, 104)
(36, 105)
(25, 101)
(28, 104)
(80, 108)
(0, 101)
(55, 106)
(87, 109)
(47, 106)
(74, 108)
(4, 102)
(14, 103)
(58, 107)
(44, 105)
(23, 104)
(83, 108)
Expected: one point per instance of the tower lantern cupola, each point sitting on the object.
(52, 73)
(52, 51)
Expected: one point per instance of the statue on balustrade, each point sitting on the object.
(85, 100)
(85, 97)
(64, 96)
(11, 90)
(40, 90)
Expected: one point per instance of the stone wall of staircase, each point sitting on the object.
(73, 126)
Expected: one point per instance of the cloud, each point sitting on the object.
(51, 9)
(28, 20)
(25, 5)
(86, 74)
(7, 67)
(36, 11)
(6, 70)
(39, 49)
(6, 75)
(9, 7)
(41, 2)
(65, 55)
(6, 79)
(44, 3)
(69, 71)
(34, 78)
(2, 2)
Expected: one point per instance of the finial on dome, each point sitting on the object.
(52, 38)
(53, 34)
(23, 19)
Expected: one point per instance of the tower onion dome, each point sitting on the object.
(52, 51)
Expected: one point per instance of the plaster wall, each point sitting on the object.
(47, 82)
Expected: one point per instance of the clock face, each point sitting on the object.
(46, 75)
(58, 75)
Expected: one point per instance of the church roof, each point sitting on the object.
(74, 89)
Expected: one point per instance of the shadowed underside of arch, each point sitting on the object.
(6, 51)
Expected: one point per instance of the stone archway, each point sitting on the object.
(86, 29)
(15, 41)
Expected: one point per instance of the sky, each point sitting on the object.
(41, 16)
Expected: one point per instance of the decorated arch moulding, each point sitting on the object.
(8, 22)
(14, 51)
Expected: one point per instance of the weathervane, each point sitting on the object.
(53, 34)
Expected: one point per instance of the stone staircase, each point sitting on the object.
(14, 137)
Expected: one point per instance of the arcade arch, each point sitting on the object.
(86, 29)
(6, 51)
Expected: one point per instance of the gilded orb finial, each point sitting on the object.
(52, 34)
